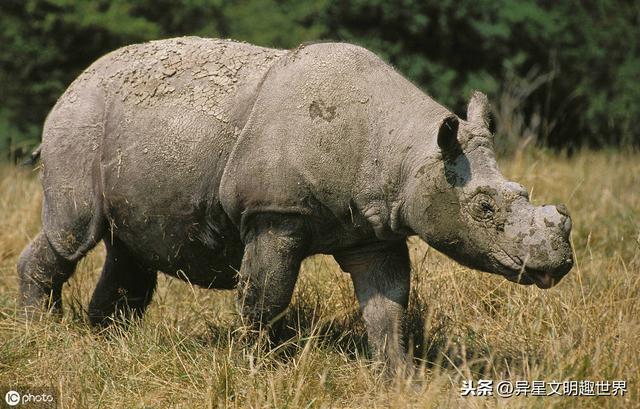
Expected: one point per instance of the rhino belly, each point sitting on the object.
(193, 246)
(160, 172)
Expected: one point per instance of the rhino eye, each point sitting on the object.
(483, 207)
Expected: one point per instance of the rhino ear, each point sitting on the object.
(478, 109)
(448, 136)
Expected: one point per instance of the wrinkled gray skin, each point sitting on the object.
(201, 158)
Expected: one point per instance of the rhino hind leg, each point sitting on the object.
(42, 272)
(124, 290)
(381, 279)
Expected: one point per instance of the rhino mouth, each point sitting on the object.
(514, 269)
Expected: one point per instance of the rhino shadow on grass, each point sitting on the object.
(432, 347)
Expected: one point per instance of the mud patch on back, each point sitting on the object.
(320, 109)
(190, 72)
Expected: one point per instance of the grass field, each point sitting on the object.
(463, 324)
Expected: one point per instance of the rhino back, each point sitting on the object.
(326, 138)
(167, 114)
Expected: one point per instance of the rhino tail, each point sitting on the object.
(33, 158)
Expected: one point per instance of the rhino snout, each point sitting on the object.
(547, 268)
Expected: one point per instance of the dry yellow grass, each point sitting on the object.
(185, 352)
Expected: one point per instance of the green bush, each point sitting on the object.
(568, 71)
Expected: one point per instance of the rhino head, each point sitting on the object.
(463, 206)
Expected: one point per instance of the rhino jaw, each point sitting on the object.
(542, 279)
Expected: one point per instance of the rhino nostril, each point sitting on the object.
(564, 268)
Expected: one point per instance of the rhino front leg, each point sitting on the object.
(381, 278)
(275, 247)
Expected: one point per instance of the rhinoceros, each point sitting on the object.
(226, 164)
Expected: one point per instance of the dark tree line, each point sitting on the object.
(561, 73)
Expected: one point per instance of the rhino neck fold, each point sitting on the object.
(402, 152)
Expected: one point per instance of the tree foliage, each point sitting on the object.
(570, 68)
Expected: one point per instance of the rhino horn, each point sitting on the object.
(478, 109)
